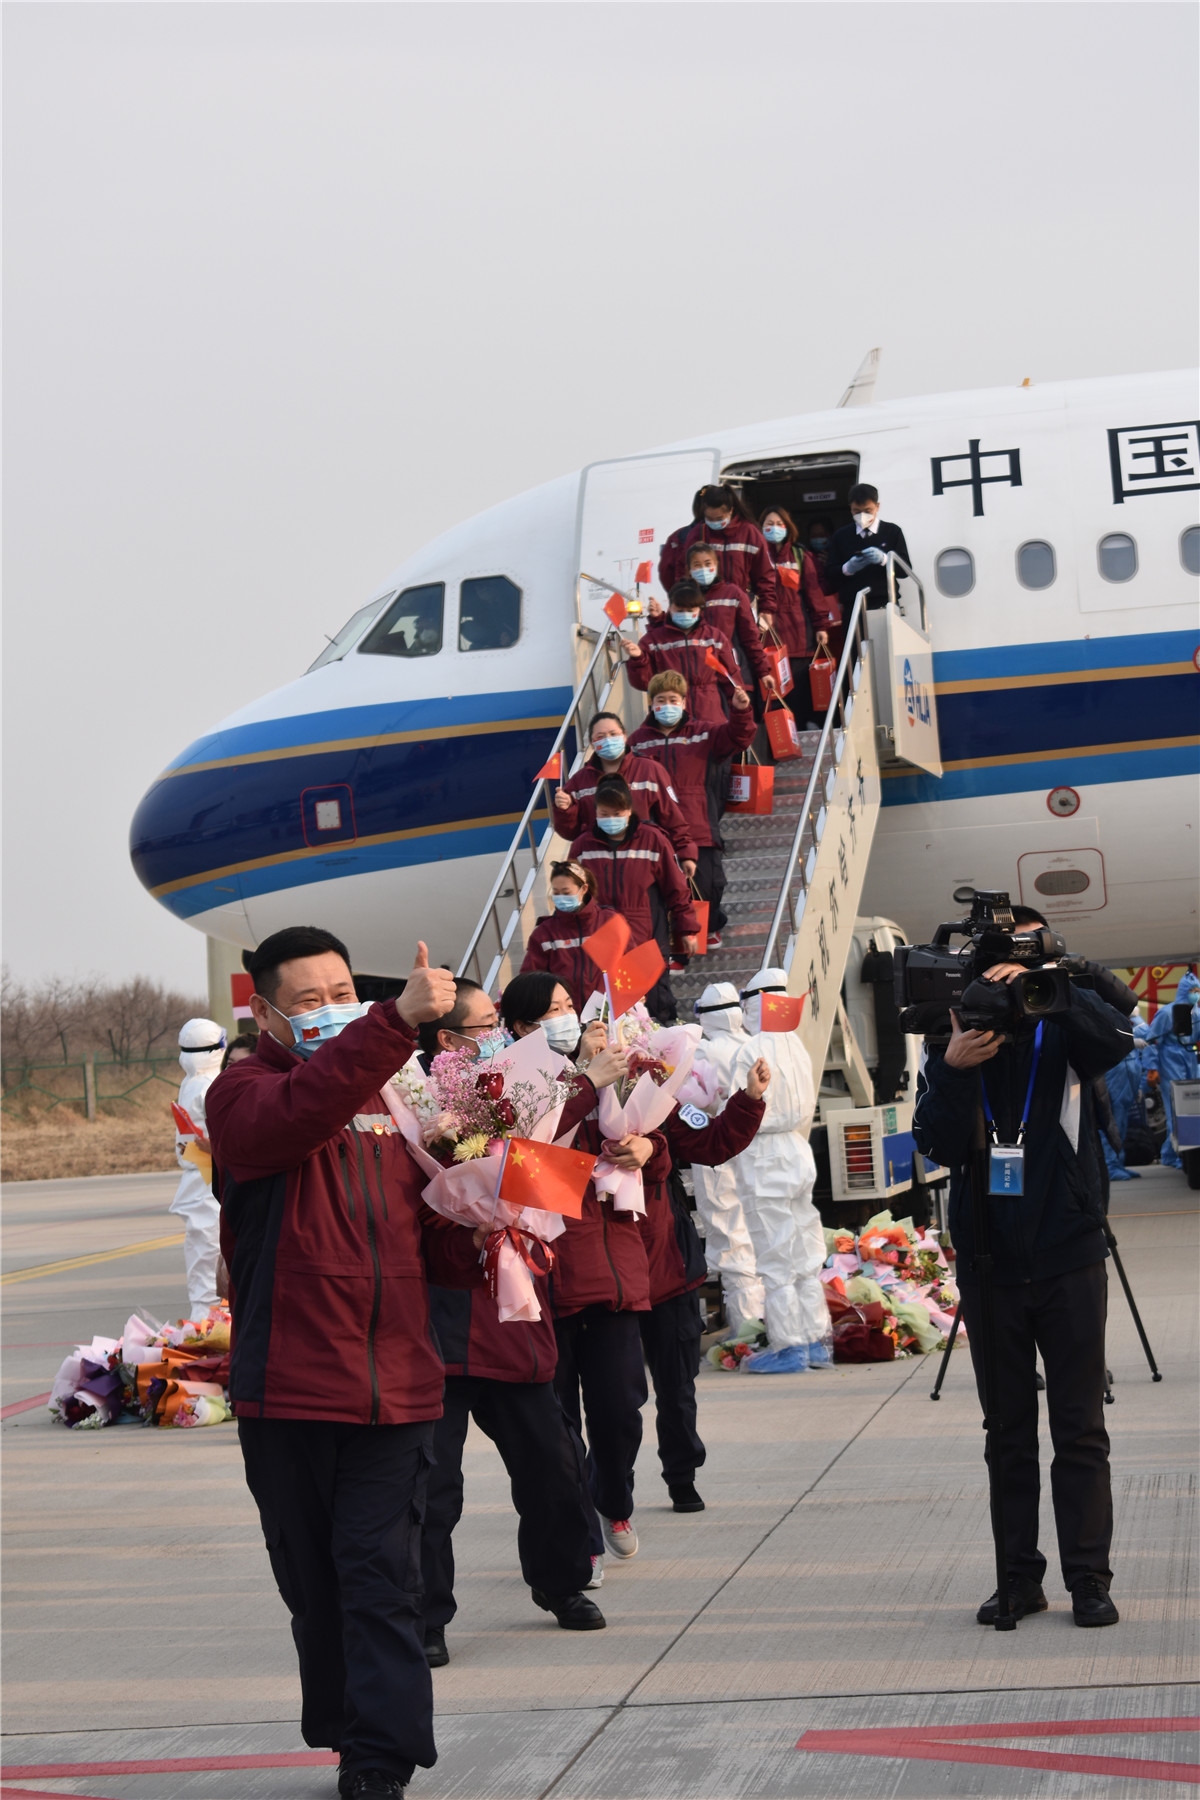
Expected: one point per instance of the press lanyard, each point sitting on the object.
(1033, 1068)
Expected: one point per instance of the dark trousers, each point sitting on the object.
(544, 1459)
(671, 1341)
(341, 1509)
(710, 879)
(716, 793)
(1064, 1318)
(600, 1356)
(661, 1003)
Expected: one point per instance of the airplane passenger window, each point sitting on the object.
(1189, 549)
(1117, 556)
(489, 613)
(955, 572)
(337, 647)
(411, 626)
(1035, 564)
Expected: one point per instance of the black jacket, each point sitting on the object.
(846, 543)
(1058, 1223)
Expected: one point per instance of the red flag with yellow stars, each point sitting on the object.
(614, 606)
(607, 946)
(644, 573)
(552, 770)
(545, 1176)
(634, 976)
(713, 661)
(781, 1012)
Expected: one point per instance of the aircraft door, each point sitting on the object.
(627, 508)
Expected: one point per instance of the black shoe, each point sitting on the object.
(684, 1497)
(1024, 1597)
(1091, 1604)
(436, 1653)
(574, 1612)
(371, 1784)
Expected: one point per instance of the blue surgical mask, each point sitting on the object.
(612, 749)
(614, 825)
(492, 1043)
(668, 713)
(819, 543)
(567, 902)
(562, 1032)
(703, 577)
(774, 534)
(314, 1028)
(716, 524)
(684, 620)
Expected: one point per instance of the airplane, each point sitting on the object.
(1055, 529)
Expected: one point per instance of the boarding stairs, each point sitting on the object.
(795, 877)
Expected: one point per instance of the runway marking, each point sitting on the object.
(936, 1743)
(83, 1262)
(12, 1793)
(20, 1406)
(169, 1765)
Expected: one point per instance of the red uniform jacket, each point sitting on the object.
(673, 1249)
(653, 799)
(626, 872)
(664, 646)
(600, 1260)
(803, 610)
(473, 1341)
(729, 609)
(323, 1230)
(556, 944)
(743, 557)
(686, 752)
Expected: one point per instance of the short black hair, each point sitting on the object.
(687, 589)
(717, 495)
(428, 1032)
(864, 491)
(245, 1041)
(527, 998)
(615, 717)
(613, 790)
(289, 945)
(1029, 915)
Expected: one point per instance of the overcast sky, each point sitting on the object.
(290, 288)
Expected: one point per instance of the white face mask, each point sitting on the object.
(562, 1032)
(864, 521)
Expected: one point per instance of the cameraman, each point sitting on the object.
(1048, 1255)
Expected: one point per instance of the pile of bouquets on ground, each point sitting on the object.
(732, 1352)
(153, 1374)
(890, 1290)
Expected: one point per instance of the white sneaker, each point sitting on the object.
(619, 1537)
(597, 1573)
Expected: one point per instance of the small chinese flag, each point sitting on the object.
(644, 572)
(614, 606)
(552, 770)
(634, 976)
(781, 1012)
(241, 987)
(607, 946)
(184, 1123)
(713, 661)
(545, 1176)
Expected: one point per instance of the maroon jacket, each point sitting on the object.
(625, 872)
(653, 799)
(665, 646)
(600, 1260)
(674, 1252)
(473, 1340)
(556, 944)
(323, 1230)
(686, 752)
(744, 557)
(729, 608)
(802, 611)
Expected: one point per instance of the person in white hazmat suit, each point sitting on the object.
(201, 1045)
(728, 1249)
(775, 1178)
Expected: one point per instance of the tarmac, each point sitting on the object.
(811, 1634)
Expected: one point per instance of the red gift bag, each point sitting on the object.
(700, 908)
(780, 661)
(821, 672)
(781, 731)
(751, 788)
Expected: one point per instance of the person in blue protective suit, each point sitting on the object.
(1171, 1056)
(1124, 1084)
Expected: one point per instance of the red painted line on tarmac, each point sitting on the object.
(170, 1765)
(17, 1406)
(937, 1743)
(12, 1793)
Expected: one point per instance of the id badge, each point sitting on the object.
(1006, 1169)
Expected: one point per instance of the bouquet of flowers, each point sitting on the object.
(456, 1121)
(660, 1062)
(894, 1264)
(158, 1374)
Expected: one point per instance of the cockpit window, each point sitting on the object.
(411, 626)
(489, 613)
(337, 647)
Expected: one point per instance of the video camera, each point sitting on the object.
(930, 979)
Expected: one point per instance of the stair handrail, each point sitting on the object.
(525, 837)
(894, 560)
(851, 653)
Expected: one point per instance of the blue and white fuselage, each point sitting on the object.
(1055, 530)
